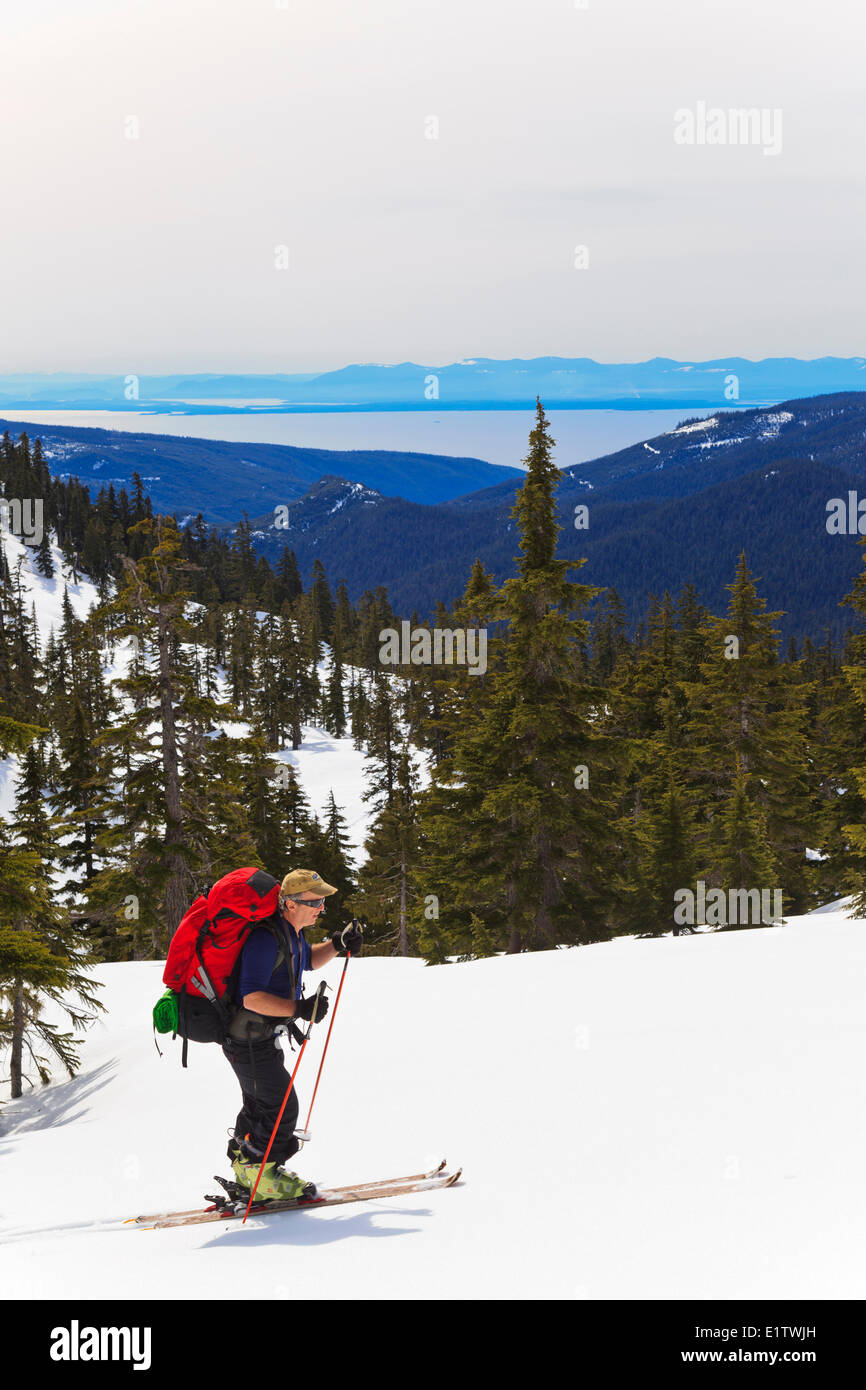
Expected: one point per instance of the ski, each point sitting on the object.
(353, 1187)
(328, 1197)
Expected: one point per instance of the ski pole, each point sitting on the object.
(305, 1132)
(319, 992)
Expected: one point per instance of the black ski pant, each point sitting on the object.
(260, 1068)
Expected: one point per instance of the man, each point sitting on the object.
(269, 1000)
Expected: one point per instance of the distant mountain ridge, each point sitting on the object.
(472, 384)
(674, 509)
(221, 478)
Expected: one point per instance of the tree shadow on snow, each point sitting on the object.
(53, 1105)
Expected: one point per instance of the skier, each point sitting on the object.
(269, 994)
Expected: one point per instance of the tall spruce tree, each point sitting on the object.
(745, 863)
(328, 851)
(666, 835)
(323, 601)
(387, 887)
(843, 814)
(172, 789)
(334, 704)
(749, 715)
(645, 718)
(43, 954)
(516, 824)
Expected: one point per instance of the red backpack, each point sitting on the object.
(204, 955)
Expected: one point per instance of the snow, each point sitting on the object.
(680, 1118)
(697, 425)
(47, 594)
(354, 490)
(719, 443)
(773, 422)
(8, 775)
(325, 764)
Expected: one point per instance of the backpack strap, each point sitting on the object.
(284, 955)
(181, 1009)
(284, 950)
(202, 979)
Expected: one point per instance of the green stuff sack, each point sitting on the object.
(165, 1015)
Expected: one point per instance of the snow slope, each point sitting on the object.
(668, 1119)
(323, 763)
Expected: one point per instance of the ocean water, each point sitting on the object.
(497, 436)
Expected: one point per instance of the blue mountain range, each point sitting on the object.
(473, 384)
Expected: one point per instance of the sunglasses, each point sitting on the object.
(309, 902)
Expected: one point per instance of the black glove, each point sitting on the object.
(349, 938)
(304, 1007)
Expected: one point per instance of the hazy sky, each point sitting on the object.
(156, 153)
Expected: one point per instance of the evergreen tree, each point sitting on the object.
(21, 673)
(296, 816)
(387, 889)
(278, 813)
(507, 832)
(218, 772)
(644, 719)
(269, 681)
(745, 861)
(44, 558)
(289, 583)
(608, 636)
(383, 737)
(43, 956)
(374, 616)
(323, 601)
(243, 563)
(345, 623)
(327, 848)
(173, 789)
(748, 714)
(666, 835)
(843, 809)
(334, 703)
(359, 711)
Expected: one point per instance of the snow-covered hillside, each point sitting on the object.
(44, 598)
(671, 1119)
(323, 763)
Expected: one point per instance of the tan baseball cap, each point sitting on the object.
(305, 881)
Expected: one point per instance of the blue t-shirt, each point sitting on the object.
(258, 958)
